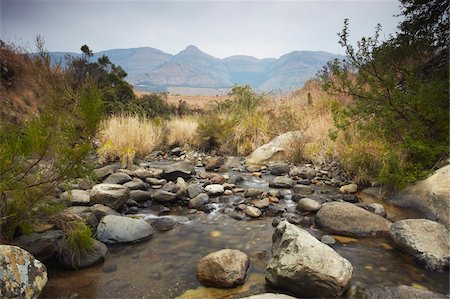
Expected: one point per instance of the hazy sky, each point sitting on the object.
(220, 28)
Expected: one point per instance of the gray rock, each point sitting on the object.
(41, 245)
(136, 184)
(183, 169)
(76, 197)
(253, 192)
(155, 181)
(308, 205)
(279, 168)
(350, 188)
(145, 174)
(90, 219)
(223, 269)
(304, 266)
(282, 182)
(311, 173)
(111, 195)
(117, 178)
(163, 196)
(426, 240)
(182, 188)
(253, 168)
(103, 172)
(358, 291)
(194, 190)
(327, 239)
(347, 219)
(304, 189)
(252, 211)
(84, 259)
(274, 210)
(22, 276)
(140, 195)
(214, 163)
(164, 223)
(119, 229)
(261, 204)
(170, 187)
(214, 189)
(101, 211)
(178, 151)
(198, 201)
(377, 208)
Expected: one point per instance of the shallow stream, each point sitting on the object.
(164, 266)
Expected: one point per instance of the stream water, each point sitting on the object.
(164, 266)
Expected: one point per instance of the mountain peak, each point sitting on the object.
(191, 49)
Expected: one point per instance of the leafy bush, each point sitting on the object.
(400, 92)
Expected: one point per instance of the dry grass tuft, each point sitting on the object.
(127, 137)
(182, 131)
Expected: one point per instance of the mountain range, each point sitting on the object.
(192, 71)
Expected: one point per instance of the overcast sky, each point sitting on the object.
(220, 28)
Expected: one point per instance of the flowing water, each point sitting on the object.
(164, 266)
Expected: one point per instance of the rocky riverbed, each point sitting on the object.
(161, 216)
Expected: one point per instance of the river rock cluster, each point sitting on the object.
(296, 197)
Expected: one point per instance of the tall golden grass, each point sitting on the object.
(127, 137)
(182, 131)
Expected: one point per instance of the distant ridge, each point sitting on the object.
(194, 71)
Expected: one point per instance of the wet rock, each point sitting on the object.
(261, 204)
(117, 178)
(163, 196)
(103, 172)
(274, 210)
(327, 239)
(278, 168)
(217, 179)
(183, 169)
(297, 197)
(359, 291)
(276, 221)
(198, 201)
(41, 245)
(426, 240)
(350, 198)
(308, 205)
(109, 268)
(292, 218)
(214, 189)
(101, 211)
(252, 211)
(270, 296)
(235, 179)
(76, 197)
(303, 189)
(253, 192)
(304, 266)
(90, 219)
(136, 184)
(347, 189)
(111, 195)
(214, 163)
(236, 215)
(377, 208)
(71, 260)
(253, 168)
(21, 275)
(140, 195)
(194, 190)
(164, 224)
(282, 182)
(347, 219)
(119, 229)
(208, 208)
(223, 269)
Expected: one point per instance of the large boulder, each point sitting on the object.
(41, 245)
(359, 291)
(426, 240)
(118, 229)
(275, 150)
(76, 197)
(304, 266)
(431, 196)
(347, 219)
(223, 269)
(110, 195)
(82, 258)
(182, 169)
(21, 275)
